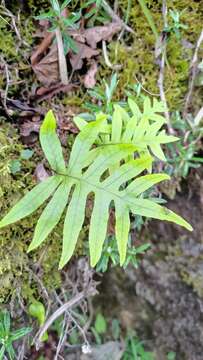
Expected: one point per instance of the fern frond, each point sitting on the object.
(141, 129)
(89, 171)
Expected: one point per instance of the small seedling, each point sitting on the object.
(7, 336)
(37, 310)
(135, 349)
(60, 24)
(110, 254)
(176, 26)
(99, 328)
(103, 94)
(171, 355)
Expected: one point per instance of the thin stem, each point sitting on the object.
(62, 59)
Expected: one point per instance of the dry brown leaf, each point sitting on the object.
(84, 52)
(90, 77)
(47, 93)
(42, 47)
(47, 70)
(99, 33)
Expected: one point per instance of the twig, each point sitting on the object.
(106, 58)
(82, 331)
(198, 117)
(78, 298)
(162, 71)
(193, 70)
(7, 85)
(63, 335)
(143, 88)
(115, 17)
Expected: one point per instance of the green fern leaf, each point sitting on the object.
(141, 129)
(100, 171)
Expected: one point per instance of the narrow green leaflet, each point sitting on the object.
(2, 351)
(98, 225)
(83, 143)
(143, 183)
(51, 214)
(150, 209)
(6, 322)
(51, 145)
(73, 223)
(116, 126)
(32, 200)
(15, 335)
(122, 228)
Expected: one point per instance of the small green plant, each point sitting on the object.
(109, 171)
(135, 349)
(94, 12)
(184, 156)
(37, 310)
(57, 20)
(104, 96)
(171, 355)
(182, 159)
(110, 254)
(60, 24)
(176, 26)
(99, 328)
(8, 336)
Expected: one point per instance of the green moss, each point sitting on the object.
(16, 50)
(136, 52)
(14, 239)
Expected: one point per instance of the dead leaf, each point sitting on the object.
(44, 93)
(47, 70)
(99, 33)
(90, 77)
(84, 52)
(42, 48)
(111, 223)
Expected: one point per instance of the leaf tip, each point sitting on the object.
(49, 123)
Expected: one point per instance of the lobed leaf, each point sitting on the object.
(110, 172)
